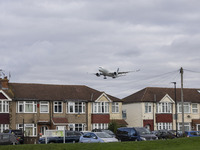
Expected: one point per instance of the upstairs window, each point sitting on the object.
(4, 106)
(27, 107)
(148, 108)
(164, 108)
(58, 107)
(115, 107)
(44, 107)
(101, 107)
(186, 107)
(124, 115)
(195, 108)
(76, 107)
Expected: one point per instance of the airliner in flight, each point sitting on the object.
(106, 73)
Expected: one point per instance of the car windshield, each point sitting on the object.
(143, 131)
(103, 135)
(108, 131)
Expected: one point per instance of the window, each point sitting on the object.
(124, 114)
(164, 108)
(186, 107)
(76, 127)
(29, 129)
(43, 130)
(100, 126)
(186, 126)
(3, 127)
(194, 108)
(27, 107)
(57, 107)
(101, 107)
(164, 126)
(44, 107)
(4, 106)
(147, 107)
(115, 107)
(76, 107)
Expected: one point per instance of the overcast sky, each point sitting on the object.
(65, 41)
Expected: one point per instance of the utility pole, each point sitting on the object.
(176, 116)
(183, 124)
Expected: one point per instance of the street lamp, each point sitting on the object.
(176, 117)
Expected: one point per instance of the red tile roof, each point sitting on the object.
(152, 94)
(27, 91)
(2, 96)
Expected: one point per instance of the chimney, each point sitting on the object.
(4, 83)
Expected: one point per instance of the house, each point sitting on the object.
(154, 108)
(40, 107)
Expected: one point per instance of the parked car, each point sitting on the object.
(97, 137)
(134, 134)
(165, 134)
(70, 137)
(8, 139)
(18, 133)
(104, 130)
(192, 133)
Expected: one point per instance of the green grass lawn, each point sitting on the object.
(174, 144)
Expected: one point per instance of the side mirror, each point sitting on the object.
(95, 137)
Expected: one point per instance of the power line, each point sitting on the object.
(191, 71)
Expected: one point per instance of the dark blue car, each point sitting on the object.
(192, 133)
(70, 137)
(134, 134)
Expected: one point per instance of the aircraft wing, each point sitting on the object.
(125, 72)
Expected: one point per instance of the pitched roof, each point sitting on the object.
(151, 94)
(29, 91)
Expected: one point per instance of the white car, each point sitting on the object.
(97, 137)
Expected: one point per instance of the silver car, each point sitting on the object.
(97, 137)
(8, 139)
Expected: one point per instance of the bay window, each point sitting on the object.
(101, 107)
(4, 106)
(164, 126)
(3, 127)
(100, 126)
(164, 107)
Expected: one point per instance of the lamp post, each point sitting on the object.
(176, 117)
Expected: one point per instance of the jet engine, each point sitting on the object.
(97, 74)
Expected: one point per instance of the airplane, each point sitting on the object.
(106, 73)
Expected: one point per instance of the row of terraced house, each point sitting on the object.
(40, 107)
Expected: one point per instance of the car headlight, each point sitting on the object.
(143, 139)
